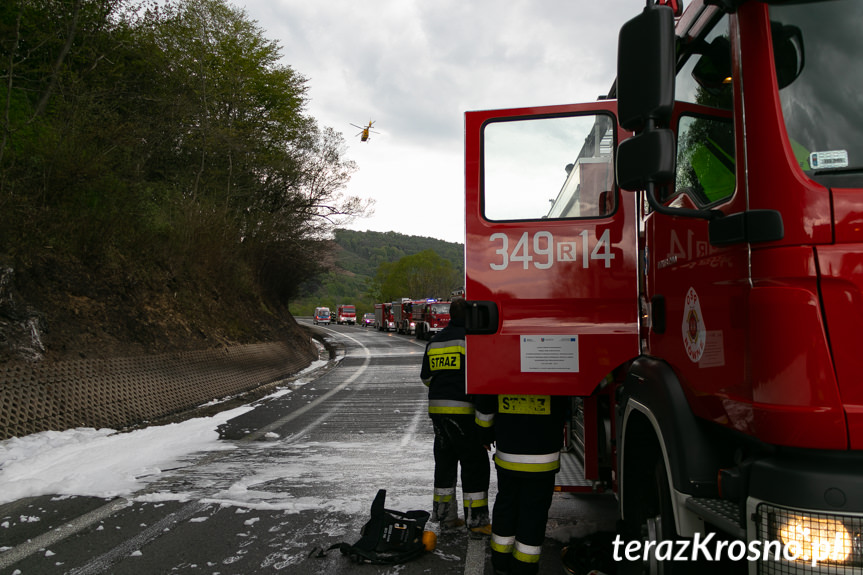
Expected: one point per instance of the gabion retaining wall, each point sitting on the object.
(117, 393)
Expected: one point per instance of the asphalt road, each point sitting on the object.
(305, 469)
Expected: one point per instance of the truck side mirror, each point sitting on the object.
(645, 97)
(645, 69)
(645, 159)
(788, 53)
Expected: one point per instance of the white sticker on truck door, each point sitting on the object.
(549, 353)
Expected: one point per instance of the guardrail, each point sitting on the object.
(117, 393)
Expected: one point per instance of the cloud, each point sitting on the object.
(416, 67)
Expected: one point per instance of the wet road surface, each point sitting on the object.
(304, 469)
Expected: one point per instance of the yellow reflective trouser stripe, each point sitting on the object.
(484, 419)
(502, 544)
(444, 494)
(530, 463)
(526, 553)
(448, 406)
(478, 499)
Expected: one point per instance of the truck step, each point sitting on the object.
(721, 513)
(570, 478)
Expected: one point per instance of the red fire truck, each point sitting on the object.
(346, 314)
(384, 320)
(430, 316)
(685, 259)
(403, 315)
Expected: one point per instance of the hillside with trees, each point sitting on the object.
(369, 267)
(161, 184)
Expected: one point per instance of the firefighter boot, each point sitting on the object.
(477, 520)
(445, 512)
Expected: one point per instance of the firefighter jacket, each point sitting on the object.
(443, 371)
(527, 430)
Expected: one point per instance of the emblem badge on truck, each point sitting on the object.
(694, 332)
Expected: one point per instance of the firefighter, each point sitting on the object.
(456, 438)
(528, 432)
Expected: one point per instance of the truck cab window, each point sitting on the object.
(705, 142)
(817, 60)
(549, 168)
(705, 76)
(705, 158)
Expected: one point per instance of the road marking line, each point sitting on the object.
(48, 539)
(474, 562)
(255, 435)
(104, 561)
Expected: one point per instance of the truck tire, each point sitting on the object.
(649, 517)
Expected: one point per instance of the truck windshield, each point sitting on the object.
(440, 308)
(817, 50)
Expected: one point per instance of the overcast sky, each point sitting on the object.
(415, 67)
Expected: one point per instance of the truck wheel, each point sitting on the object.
(650, 518)
(649, 514)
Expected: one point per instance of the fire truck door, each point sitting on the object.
(551, 246)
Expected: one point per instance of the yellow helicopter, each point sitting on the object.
(365, 131)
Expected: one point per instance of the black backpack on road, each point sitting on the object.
(389, 537)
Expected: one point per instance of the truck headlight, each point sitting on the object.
(815, 538)
(811, 540)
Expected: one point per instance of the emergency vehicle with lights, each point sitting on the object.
(384, 320)
(430, 316)
(684, 258)
(346, 314)
(322, 316)
(403, 315)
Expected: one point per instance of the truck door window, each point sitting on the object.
(549, 168)
(705, 75)
(705, 142)
(817, 49)
(705, 158)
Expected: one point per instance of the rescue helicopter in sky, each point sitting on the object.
(365, 131)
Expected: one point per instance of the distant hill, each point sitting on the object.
(355, 260)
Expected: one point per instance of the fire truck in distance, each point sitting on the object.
(403, 315)
(346, 314)
(430, 316)
(384, 320)
(685, 260)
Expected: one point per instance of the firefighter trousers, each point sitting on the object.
(518, 521)
(456, 442)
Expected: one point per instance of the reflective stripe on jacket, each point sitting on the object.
(443, 367)
(450, 407)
